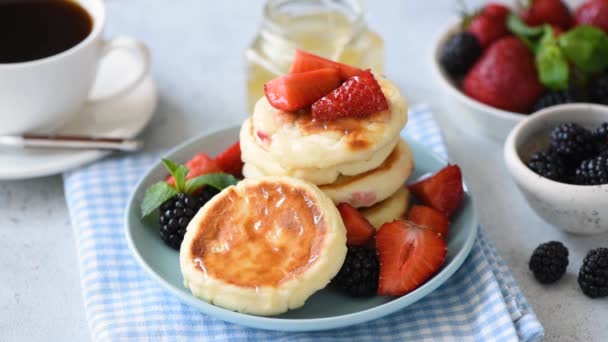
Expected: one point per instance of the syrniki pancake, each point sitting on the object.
(392, 208)
(371, 187)
(263, 246)
(254, 155)
(368, 188)
(298, 141)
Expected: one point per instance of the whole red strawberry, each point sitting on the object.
(594, 13)
(490, 24)
(505, 77)
(553, 12)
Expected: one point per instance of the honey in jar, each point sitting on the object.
(333, 29)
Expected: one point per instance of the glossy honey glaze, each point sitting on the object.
(262, 236)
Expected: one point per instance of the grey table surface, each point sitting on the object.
(198, 64)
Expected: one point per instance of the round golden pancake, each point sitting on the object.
(371, 187)
(254, 155)
(368, 188)
(297, 141)
(263, 246)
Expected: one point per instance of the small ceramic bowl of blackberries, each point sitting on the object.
(559, 160)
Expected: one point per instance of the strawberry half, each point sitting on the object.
(230, 160)
(360, 96)
(429, 217)
(442, 191)
(293, 92)
(409, 255)
(305, 61)
(358, 229)
(200, 164)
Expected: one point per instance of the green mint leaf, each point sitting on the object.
(529, 35)
(520, 29)
(216, 180)
(170, 165)
(553, 68)
(586, 47)
(179, 173)
(155, 196)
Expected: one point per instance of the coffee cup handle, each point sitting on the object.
(134, 47)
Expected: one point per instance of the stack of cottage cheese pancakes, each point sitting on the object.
(359, 161)
(267, 244)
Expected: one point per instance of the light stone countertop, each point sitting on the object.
(198, 64)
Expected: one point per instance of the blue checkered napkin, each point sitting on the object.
(481, 302)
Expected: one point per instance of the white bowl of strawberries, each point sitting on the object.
(503, 64)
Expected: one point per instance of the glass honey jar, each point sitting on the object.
(334, 29)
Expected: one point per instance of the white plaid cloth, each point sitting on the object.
(480, 302)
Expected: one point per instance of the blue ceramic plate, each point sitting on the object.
(326, 309)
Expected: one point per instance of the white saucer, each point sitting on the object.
(124, 116)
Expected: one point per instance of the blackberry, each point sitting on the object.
(555, 97)
(601, 135)
(573, 142)
(459, 53)
(593, 171)
(207, 193)
(359, 274)
(549, 261)
(549, 165)
(598, 89)
(593, 276)
(176, 213)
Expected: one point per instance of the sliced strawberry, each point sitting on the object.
(230, 160)
(409, 255)
(200, 164)
(429, 217)
(293, 92)
(358, 229)
(305, 61)
(442, 191)
(360, 96)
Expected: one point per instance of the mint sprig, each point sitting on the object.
(584, 46)
(216, 180)
(553, 68)
(587, 47)
(160, 192)
(155, 196)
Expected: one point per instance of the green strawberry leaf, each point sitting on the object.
(179, 173)
(553, 68)
(155, 196)
(586, 47)
(216, 180)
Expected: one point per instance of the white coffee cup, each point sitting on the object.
(42, 95)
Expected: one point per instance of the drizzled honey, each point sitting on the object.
(263, 237)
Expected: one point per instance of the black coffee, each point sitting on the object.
(34, 29)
